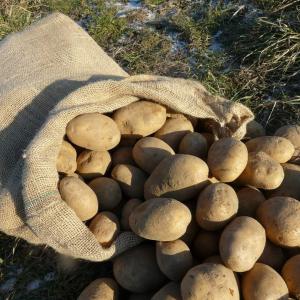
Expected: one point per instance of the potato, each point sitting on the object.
(136, 269)
(217, 204)
(174, 258)
(254, 129)
(154, 219)
(278, 148)
(122, 155)
(262, 172)
(100, 289)
(105, 226)
(281, 218)
(127, 209)
(140, 119)
(241, 244)
(92, 164)
(263, 283)
(193, 143)
(209, 281)
(174, 130)
(66, 159)
(291, 275)
(170, 291)
(227, 158)
(79, 196)
(206, 244)
(93, 131)
(180, 176)
(249, 200)
(131, 180)
(148, 152)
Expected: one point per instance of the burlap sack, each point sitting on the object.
(50, 73)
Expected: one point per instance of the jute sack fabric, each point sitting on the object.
(50, 73)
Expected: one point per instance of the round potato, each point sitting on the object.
(79, 196)
(170, 291)
(291, 275)
(66, 159)
(193, 143)
(278, 148)
(131, 180)
(206, 244)
(227, 158)
(136, 270)
(241, 244)
(254, 129)
(122, 155)
(148, 152)
(179, 176)
(108, 192)
(174, 258)
(140, 119)
(217, 204)
(263, 282)
(105, 226)
(281, 218)
(209, 281)
(92, 164)
(262, 172)
(100, 289)
(154, 219)
(93, 131)
(127, 209)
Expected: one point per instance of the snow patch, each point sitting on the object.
(8, 285)
(216, 45)
(33, 285)
(129, 6)
(177, 44)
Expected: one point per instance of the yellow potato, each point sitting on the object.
(254, 129)
(291, 275)
(193, 143)
(206, 244)
(127, 209)
(122, 155)
(170, 291)
(66, 159)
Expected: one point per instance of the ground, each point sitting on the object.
(247, 51)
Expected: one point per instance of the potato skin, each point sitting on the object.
(100, 289)
(148, 152)
(66, 159)
(217, 204)
(140, 119)
(174, 258)
(170, 291)
(127, 209)
(180, 176)
(93, 131)
(193, 143)
(291, 275)
(79, 196)
(136, 269)
(154, 219)
(242, 243)
(227, 158)
(209, 281)
(254, 129)
(206, 244)
(263, 282)
(281, 218)
(122, 155)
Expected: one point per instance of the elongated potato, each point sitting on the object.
(122, 155)
(66, 159)
(263, 282)
(254, 129)
(227, 158)
(209, 281)
(281, 218)
(241, 244)
(170, 291)
(93, 131)
(148, 152)
(180, 176)
(206, 244)
(154, 219)
(291, 275)
(193, 143)
(127, 209)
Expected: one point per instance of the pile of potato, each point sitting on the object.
(220, 218)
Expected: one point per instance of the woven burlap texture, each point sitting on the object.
(50, 73)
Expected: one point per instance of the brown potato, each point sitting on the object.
(148, 152)
(131, 180)
(262, 172)
(105, 226)
(100, 289)
(93, 131)
(278, 148)
(281, 218)
(136, 270)
(180, 176)
(122, 155)
(209, 281)
(174, 258)
(227, 158)
(127, 209)
(92, 164)
(262, 282)
(140, 119)
(66, 159)
(154, 219)
(193, 143)
(254, 129)
(170, 291)
(79, 196)
(241, 244)
(217, 204)
(291, 275)
(206, 244)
